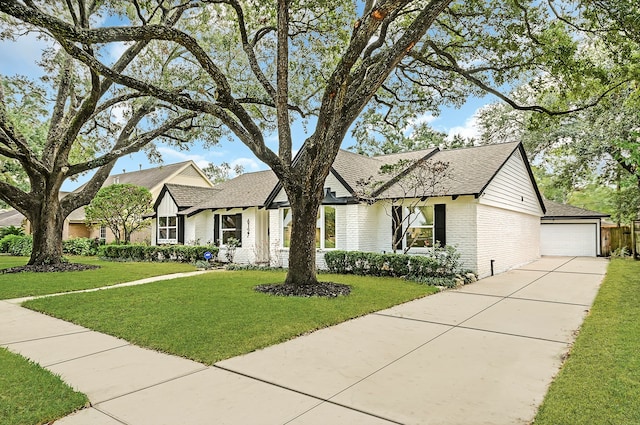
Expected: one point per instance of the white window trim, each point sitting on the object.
(321, 219)
(407, 224)
(222, 230)
(168, 228)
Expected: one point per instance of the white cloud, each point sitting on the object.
(21, 56)
(116, 50)
(470, 129)
(249, 164)
(171, 155)
(119, 114)
(427, 118)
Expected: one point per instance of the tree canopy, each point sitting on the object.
(73, 120)
(121, 208)
(253, 66)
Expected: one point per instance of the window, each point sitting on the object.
(325, 227)
(103, 233)
(231, 227)
(420, 228)
(286, 227)
(167, 229)
(327, 232)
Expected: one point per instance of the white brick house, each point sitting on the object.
(487, 205)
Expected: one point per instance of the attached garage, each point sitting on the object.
(566, 230)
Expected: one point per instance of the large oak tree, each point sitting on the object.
(256, 65)
(75, 121)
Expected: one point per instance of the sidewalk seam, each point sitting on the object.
(322, 400)
(175, 378)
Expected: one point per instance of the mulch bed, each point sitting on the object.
(62, 267)
(322, 289)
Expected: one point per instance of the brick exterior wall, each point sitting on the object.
(511, 238)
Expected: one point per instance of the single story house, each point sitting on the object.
(482, 200)
(570, 231)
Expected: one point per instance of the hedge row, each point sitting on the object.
(18, 245)
(21, 245)
(442, 266)
(180, 253)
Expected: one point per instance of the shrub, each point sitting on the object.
(11, 230)
(16, 245)
(81, 246)
(179, 253)
(441, 267)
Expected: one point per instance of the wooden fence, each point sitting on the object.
(616, 238)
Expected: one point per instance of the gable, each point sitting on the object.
(513, 188)
(166, 206)
(190, 176)
(332, 182)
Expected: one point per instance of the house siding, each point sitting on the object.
(334, 184)
(512, 188)
(462, 224)
(189, 177)
(166, 208)
(198, 229)
(361, 228)
(511, 238)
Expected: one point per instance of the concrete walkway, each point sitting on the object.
(483, 354)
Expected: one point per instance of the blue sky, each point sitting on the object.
(21, 58)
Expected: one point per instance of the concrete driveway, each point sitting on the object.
(483, 354)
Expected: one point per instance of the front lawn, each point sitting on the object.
(32, 395)
(218, 315)
(15, 285)
(600, 381)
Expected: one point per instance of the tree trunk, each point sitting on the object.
(302, 248)
(47, 223)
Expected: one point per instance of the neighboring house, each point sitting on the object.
(11, 218)
(570, 231)
(154, 179)
(488, 207)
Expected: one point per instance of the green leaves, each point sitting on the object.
(121, 208)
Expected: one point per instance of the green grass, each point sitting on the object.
(30, 394)
(15, 285)
(600, 381)
(218, 315)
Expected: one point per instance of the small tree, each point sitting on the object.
(121, 208)
(222, 172)
(404, 184)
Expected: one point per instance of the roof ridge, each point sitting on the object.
(153, 168)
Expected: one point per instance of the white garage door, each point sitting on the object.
(568, 239)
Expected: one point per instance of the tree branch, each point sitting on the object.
(454, 67)
(282, 86)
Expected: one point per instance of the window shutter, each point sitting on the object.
(239, 228)
(181, 229)
(216, 229)
(440, 213)
(396, 227)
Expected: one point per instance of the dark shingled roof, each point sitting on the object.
(353, 167)
(188, 196)
(557, 210)
(469, 170)
(246, 190)
(148, 178)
